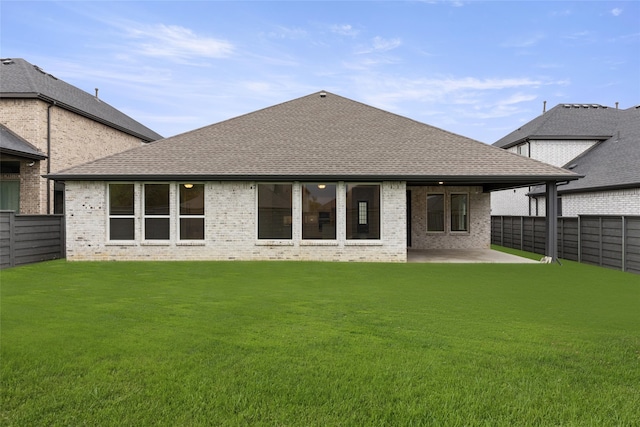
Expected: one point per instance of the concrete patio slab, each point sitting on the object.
(465, 256)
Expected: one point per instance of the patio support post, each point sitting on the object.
(551, 249)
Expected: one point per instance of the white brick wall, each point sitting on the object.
(618, 202)
(554, 152)
(230, 228)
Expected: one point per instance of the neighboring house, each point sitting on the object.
(49, 125)
(320, 177)
(600, 143)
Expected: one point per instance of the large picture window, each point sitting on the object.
(363, 211)
(191, 212)
(435, 212)
(156, 211)
(459, 212)
(121, 212)
(274, 211)
(319, 211)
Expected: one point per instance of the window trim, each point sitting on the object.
(132, 216)
(180, 217)
(364, 242)
(444, 213)
(467, 216)
(272, 241)
(320, 242)
(144, 216)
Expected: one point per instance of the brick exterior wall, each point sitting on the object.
(479, 235)
(556, 153)
(75, 139)
(230, 228)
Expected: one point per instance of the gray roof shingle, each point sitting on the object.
(566, 121)
(20, 79)
(321, 135)
(613, 163)
(12, 144)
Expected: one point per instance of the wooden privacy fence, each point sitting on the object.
(607, 241)
(25, 239)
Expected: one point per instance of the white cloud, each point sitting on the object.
(379, 44)
(382, 45)
(616, 12)
(282, 32)
(344, 30)
(176, 42)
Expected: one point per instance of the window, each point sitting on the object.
(435, 212)
(459, 212)
(523, 150)
(9, 167)
(10, 195)
(274, 211)
(363, 211)
(191, 212)
(318, 211)
(156, 211)
(121, 212)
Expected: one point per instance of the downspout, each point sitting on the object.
(53, 103)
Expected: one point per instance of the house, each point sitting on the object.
(600, 143)
(48, 125)
(320, 177)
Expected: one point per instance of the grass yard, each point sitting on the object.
(319, 344)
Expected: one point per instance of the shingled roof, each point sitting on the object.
(566, 121)
(321, 136)
(12, 144)
(20, 79)
(611, 164)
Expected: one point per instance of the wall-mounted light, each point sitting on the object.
(188, 185)
(322, 186)
(30, 164)
(440, 182)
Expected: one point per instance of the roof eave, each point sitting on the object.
(490, 181)
(555, 138)
(17, 153)
(49, 100)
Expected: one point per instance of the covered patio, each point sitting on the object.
(464, 256)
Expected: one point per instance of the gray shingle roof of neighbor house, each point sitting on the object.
(321, 136)
(611, 164)
(12, 144)
(20, 79)
(566, 121)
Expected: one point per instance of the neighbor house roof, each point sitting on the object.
(12, 144)
(566, 121)
(20, 79)
(613, 163)
(321, 136)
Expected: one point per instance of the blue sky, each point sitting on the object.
(476, 68)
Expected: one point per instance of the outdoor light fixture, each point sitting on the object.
(322, 186)
(188, 186)
(440, 182)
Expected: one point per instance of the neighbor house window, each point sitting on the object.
(274, 211)
(363, 211)
(435, 212)
(10, 195)
(459, 212)
(156, 212)
(319, 211)
(121, 212)
(191, 213)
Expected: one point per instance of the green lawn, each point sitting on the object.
(317, 344)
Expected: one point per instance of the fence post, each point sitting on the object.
(12, 239)
(522, 233)
(501, 230)
(624, 243)
(579, 239)
(600, 241)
